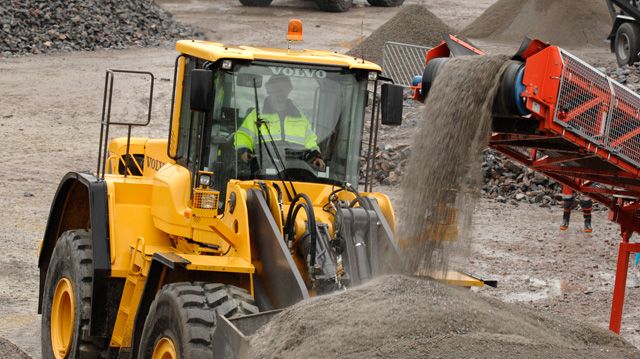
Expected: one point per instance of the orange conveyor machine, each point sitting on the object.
(560, 116)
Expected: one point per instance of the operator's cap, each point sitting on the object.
(279, 84)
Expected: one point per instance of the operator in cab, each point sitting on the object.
(282, 123)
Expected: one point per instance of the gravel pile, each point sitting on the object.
(40, 26)
(10, 350)
(503, 180)
(408, 317)
(560, 22)
(414, 24)
(508, 181)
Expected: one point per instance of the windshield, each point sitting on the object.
(276, 121)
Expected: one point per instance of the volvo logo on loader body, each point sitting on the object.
(154, 163)
(297, 72)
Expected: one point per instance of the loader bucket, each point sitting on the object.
(231, 336)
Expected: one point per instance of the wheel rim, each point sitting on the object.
(165, 349)
(62, 318)
(624, 46)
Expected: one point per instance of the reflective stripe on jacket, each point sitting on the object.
(297, 130)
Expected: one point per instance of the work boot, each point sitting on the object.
(586, 205)
(587, 226)
(565, 221)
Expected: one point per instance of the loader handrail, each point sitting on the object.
(105, 121)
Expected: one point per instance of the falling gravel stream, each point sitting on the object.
(443, 178)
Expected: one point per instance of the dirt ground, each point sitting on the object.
(49, 124)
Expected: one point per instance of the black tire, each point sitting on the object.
(334, 5)
(186, 312)
(261, 3)
(385, 3)
(72, 259)
(627, 44)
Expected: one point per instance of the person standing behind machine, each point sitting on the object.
(568, 197)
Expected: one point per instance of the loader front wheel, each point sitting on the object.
(165, 349)
(66, 305)
(182, 318)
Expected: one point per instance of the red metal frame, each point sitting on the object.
(591, 163)
(443, 50)
(584, 164)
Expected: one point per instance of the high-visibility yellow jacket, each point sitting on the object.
(297, 129)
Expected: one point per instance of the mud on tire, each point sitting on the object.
(72, 259)
(185, 314)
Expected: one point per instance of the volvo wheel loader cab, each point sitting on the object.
(250, 205)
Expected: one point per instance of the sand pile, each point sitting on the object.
(560, 22)
(414, 24)
(408, 317)
(443, 179)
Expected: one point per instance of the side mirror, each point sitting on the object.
(392, 98)
(247, 80)
(201, 94)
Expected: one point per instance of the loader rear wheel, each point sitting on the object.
(261, 3)
(66, 305)
(627, 44)
(334, 5)
(385, 3)
(182, 317)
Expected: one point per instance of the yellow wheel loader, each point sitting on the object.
(180, 247)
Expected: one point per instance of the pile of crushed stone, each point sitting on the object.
(414, 24)
(40, 26)
(408, 317)
(560, 22)
(10, 350)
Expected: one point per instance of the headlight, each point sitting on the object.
(204, 179)
(209, 201)
(227, 64)
(373, 76)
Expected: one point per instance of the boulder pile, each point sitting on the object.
(41, 26)
(503, 180)
(627, 75)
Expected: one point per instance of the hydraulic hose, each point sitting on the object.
(294, 208)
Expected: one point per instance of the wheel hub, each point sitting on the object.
(62, 318)
(624, 46)
(165, 349)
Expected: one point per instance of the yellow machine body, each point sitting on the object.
(158, 212)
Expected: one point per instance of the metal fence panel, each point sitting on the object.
(598, 108)
(401, 62)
